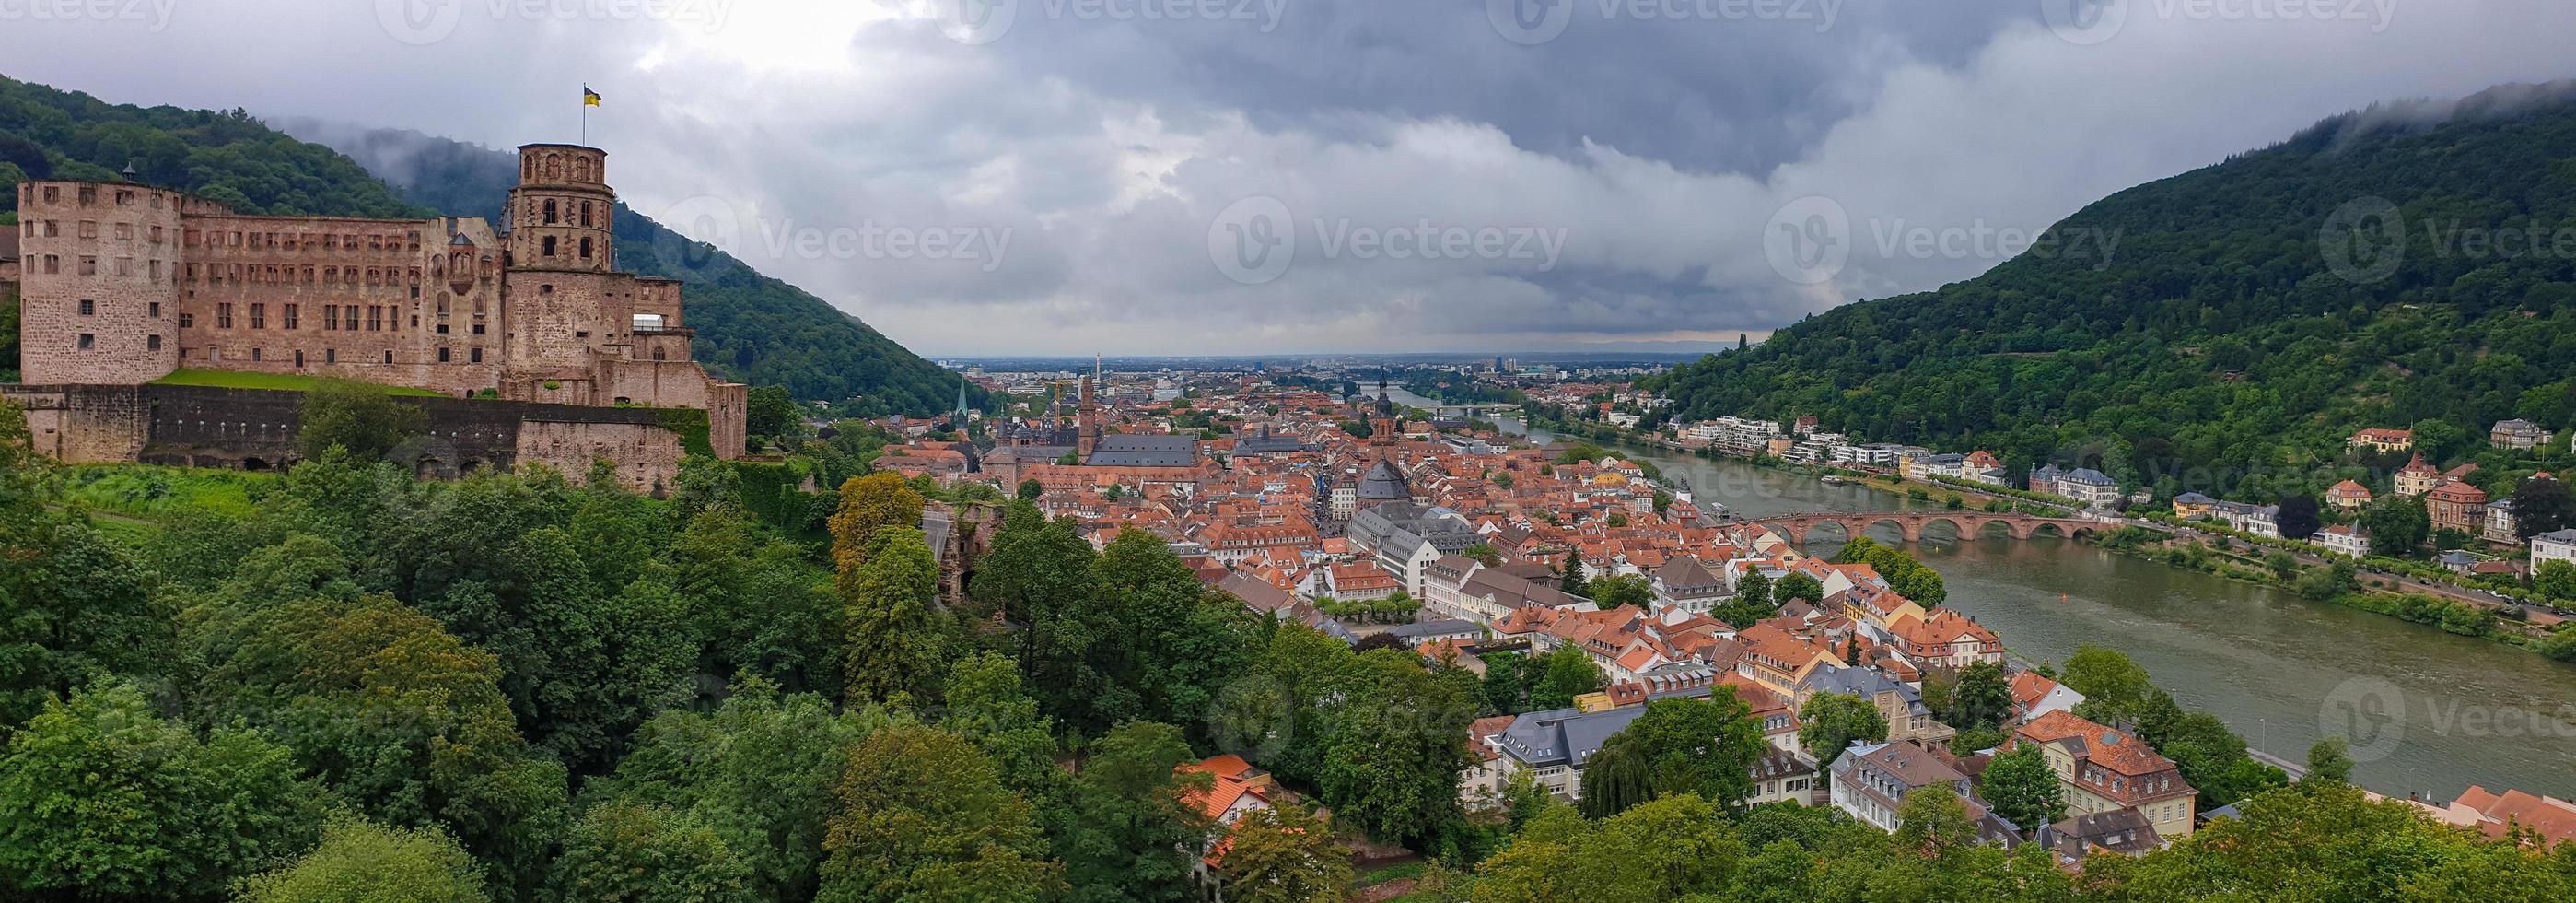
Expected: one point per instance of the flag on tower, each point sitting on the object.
(589, 98)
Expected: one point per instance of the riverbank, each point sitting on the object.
(2378, 593)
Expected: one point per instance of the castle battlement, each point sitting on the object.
(122, 284)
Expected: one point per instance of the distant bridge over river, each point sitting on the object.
(1967, 524)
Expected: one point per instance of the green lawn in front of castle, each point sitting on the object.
(233, 379)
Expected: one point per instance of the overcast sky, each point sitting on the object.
(1275, 176)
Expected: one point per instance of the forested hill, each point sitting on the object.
(2220, 336)
(750, 327)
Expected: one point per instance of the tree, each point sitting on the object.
(1128, 825)
(1934, 819)
(1565, 673)
(1754, 590)
(893, 640)
(772, 413)
(363, 418)
(1484, 554)
(361, 860)
(1705, 747)
(1623, 589)
(99, 796)
(759, 771)
(335, 673)
(2397, 525)
(2110, 682)
(1396, 745)
(1570, 577)
(1031, 490)
(2299, 517)
(1830, 722)
(1284, 854)
(2020, 787)
(78, 607)
(925, 817)
(647, 854)
(2542, 505)
(2329, 759)
(868, 504)
(2555, 579)
(1797, 585)
(1983, 696)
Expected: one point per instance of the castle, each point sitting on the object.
(122, 284)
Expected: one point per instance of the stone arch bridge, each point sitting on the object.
(1968, 524)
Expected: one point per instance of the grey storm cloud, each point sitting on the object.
(1267, 176)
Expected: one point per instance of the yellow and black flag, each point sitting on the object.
(589, 98)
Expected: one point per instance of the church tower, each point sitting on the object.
(1087, 423)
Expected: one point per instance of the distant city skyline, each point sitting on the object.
(1328, 174)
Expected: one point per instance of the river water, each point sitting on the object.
(2426, 711)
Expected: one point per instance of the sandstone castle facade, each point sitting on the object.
(122, 284)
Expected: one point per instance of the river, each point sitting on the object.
(2426, 711)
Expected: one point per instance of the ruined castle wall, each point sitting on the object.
(647, 456)
(83, 424)
(100, 268)
(382, 301)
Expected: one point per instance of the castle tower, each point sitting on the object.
(566, 305)
(559, 213)
(98, 283)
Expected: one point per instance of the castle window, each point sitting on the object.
(156, 235)
(290, 316)
(330, 355)
(546, 246)
(389, 358)
(299, 360)
(478, 307)
(475, 355)
(125, 232)
(125, 199)
(478, 329)
(254, 354)
(88, 195)
(550, 212)
(585, 213)
(223, 316)
(88, 307)
(152, 342)
(125, 266)
(88, 341)
(88, 265)
(156, 270)
(156, 310)
(53, 194)
(53, 263)
(442, 355)
(187, 321)
(585, 249)
(546, 288)
(330, 316)
(375, 318)
(259, 316)
(349, 318)
(89, 228)
(442, 304)
(442, 329)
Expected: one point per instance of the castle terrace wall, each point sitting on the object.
(255, 429)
